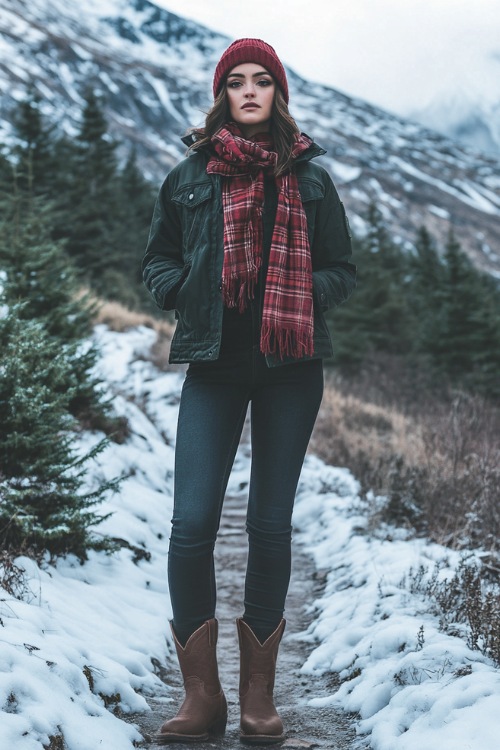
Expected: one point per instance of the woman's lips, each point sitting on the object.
(251, 106)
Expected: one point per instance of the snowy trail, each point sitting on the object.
(305, 726)
(88, 647)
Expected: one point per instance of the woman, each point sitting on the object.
(250, 245)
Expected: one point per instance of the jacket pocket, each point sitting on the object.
(194, 202)
(311, 190)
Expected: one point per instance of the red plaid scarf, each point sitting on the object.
(287, 316)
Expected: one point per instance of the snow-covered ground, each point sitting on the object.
(87, 638)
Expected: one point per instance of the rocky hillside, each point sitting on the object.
(154, 70)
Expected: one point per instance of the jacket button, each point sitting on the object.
(191, 196)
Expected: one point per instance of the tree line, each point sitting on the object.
(100, 208)
(429, 309)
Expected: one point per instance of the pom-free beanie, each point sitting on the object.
(250, 51)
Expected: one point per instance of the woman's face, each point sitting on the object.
(250, 94)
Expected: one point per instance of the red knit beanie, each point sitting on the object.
(250, 51)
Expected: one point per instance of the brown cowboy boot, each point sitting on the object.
(260, 723)
(204, 710)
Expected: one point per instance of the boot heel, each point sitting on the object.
(219, 727)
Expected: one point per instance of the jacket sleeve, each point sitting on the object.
(163, 269)
(334, 275)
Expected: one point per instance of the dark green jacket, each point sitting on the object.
(182, 266)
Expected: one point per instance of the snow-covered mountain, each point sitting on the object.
(467, 105)
(154, 70)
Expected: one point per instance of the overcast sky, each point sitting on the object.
(395, 53)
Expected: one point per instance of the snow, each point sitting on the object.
(344, 172)
(409, 682)
(164, 97)
(89, 634)
(464, 191)
(438, 211)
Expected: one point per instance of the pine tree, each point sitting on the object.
(376, 318)
(426, 290)
(43, 504)
(91, 206)
(34, 148)
(39, 275)
(486, 374)
(136, 198)
(466, 345)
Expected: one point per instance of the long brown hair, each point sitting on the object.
(283, 128)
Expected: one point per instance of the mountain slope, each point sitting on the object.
(154, 70)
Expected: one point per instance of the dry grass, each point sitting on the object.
(56, 742)
(439, 467)
(467, 603)
(364, 433)
(13, 578)
(119, 318)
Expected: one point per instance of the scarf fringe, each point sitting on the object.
(285, 342)
(237, 293)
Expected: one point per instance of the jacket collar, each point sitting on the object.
(188, 139)
(312, 152)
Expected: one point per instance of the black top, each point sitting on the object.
(242, 330)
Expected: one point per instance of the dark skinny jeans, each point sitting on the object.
(284, 404)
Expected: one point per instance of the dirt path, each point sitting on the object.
(305, 727)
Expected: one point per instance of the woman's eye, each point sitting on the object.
(233, 84)
(265, 82)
